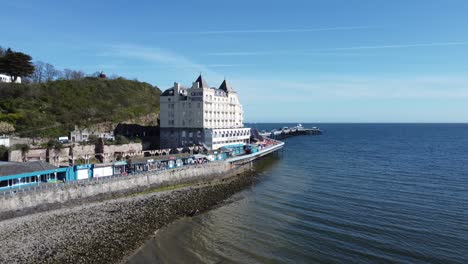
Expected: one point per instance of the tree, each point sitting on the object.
(44, 72)
(38, 74)
(68, 74)
(3, 153)
(120, 140)
(76, 75)
(50, 73)
(93, 139)
(54, 144)
(16, 64)
(95, 74)
(6, 128)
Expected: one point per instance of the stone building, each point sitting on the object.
(201, 115)
(82, 135)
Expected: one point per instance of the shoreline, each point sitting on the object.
(109, 231)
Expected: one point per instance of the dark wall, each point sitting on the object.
(172, 137)
(149, 135)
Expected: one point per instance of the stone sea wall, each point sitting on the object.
(107, 232)
(75, 193)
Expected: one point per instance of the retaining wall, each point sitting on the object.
(23, 202)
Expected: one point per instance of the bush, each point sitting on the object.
(3, 153)
(23, 147)
(52, 109)
(120, 140)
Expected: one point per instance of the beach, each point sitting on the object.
(107, 232)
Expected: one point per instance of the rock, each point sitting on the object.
(106, 232)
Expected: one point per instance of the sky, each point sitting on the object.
(290, 61)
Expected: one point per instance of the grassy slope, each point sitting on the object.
(52, 109)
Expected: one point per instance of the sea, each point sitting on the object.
(358, 193)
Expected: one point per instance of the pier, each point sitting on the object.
(286, 132)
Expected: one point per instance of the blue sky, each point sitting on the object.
(296, 61)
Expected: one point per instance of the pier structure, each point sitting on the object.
(286, 132)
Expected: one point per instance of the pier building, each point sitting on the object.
(201, 115)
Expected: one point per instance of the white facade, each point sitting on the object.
(200, 113)
(229, 136)
(80, 135)
(7, 79)
(5, 141)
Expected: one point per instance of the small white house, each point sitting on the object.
(7, 79)
(80, 135)
(5, 141)
(63, 139)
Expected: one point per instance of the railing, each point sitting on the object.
(46, 186)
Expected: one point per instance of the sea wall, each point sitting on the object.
(107, 232)
(22, 203)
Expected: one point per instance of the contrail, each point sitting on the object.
(242, 31)
(321, 52)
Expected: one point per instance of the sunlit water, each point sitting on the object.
(359, 193)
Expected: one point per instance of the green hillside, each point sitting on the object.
(52, 109)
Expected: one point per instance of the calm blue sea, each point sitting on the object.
(359, 193)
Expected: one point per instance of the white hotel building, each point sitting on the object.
(201, 115)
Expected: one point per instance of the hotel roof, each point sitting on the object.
(223, 88)
(201, 82)
(226, 87)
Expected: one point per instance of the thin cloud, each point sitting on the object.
(325, 53)
(282, 52)
(356, 87)
(244, 31)
(227, 65)
(402, 46)
(159, 58)
(154, 55)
